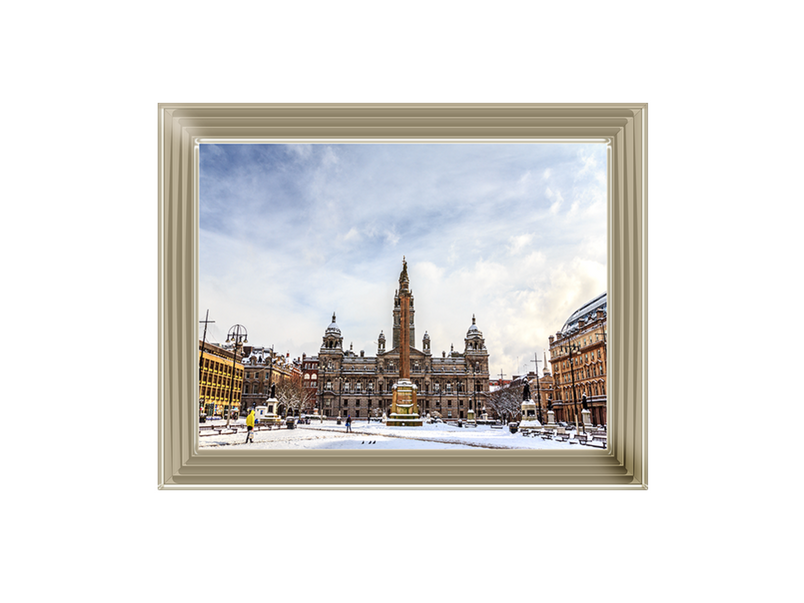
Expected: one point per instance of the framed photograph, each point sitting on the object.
(509, 240)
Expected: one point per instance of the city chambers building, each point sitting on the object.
(362, 386)
(578, 358)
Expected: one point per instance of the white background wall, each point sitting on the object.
(81, 83)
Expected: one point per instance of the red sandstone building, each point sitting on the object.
(578, 358)
(361, 386)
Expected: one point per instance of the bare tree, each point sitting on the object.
(505, 402)
(295, 398)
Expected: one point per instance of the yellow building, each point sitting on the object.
(215, 392)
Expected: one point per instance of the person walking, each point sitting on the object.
(349, 424)
(250, 427)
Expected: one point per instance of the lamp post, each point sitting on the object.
(474, 390)
(572, 347)
(340, 388)
(270, 370)
(440, 393)
(538, 390)
(605, 377)
(237, 335)
(206, 322)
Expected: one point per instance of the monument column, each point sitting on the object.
(404, 317)
(404, 409)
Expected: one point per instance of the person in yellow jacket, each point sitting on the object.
(250, 426)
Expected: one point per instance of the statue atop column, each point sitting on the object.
(404, 408)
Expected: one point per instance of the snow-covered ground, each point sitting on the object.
(377, 436)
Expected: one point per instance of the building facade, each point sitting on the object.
(309, 367)
(578, 359)
(541, 390)
(361, 386)
(263, 370)
(217, 390)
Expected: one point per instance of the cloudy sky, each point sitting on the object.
(512, 233)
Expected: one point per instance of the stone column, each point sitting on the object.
(404, 408)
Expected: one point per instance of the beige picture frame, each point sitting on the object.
(183, 127)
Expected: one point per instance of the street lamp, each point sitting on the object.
(572, 347)
(474, 391)
(237, 335)
(340, 388)
(370, 387)
(538, 396)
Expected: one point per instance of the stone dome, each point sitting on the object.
(473, 330)
(584, 313)
(333, 328)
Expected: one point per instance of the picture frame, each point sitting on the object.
(182, 127)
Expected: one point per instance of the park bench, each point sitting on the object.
(596, 442)
(496, 426)
(562, 437)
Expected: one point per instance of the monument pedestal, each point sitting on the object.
(529, 415)
(551, 420)
(404, 409)
(586, 417)
(266, 414)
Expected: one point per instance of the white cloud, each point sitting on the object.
(518, 243)
(556, 197)
(317, 228)
(391, 237)
(301, 151)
